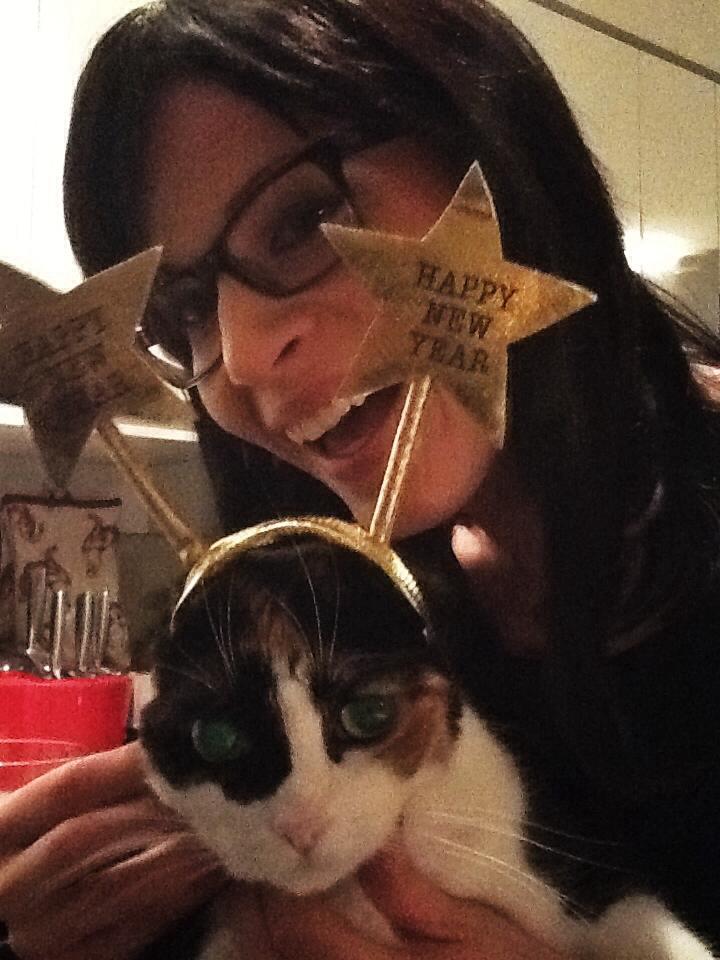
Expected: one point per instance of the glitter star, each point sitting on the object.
(451, 304)
(69, 359)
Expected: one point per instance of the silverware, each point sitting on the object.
(58, 622)
(59, 645)
(93, 632)
(84, 635)
(102, 630)
(37, 652)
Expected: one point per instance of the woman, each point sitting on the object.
(592, 538)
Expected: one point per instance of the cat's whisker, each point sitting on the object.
(489, 813)
(225, 638)
(520, 878)
(216, 633)
(336, 613)
(291, 615)
(228, 625)
(486, 825)
(313, 594)
(198, 676)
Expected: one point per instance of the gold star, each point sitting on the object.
(452, 304)
(69, 359)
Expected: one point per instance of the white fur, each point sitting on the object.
(463, 827)
(461, 820)
(640, 928)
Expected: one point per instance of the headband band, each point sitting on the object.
(330, 529)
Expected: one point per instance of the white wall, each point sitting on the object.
(43, 45)
(689, 28)
(654, 126)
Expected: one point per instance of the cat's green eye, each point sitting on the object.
(369, 716)
(219, 740)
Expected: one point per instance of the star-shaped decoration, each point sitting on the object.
(70, 360)
(452, 304)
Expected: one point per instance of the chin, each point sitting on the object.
(311, 879)
(439, 485)
(423, 506)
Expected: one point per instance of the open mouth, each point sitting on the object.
(344, 425)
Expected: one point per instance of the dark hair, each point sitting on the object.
(614, 438)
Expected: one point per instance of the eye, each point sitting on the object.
(369, 716)
(300, 223)
(182, 310)
(194, 301)
(219, 740)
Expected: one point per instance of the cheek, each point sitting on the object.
(233, 410)
(452, 458)
(365, 809)
(229, 407)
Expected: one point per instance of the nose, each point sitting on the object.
(301, 826)
(263, 338)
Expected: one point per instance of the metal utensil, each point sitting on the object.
(84, 633)
(56, 648)
(101, 624)
(37, 652)
(58, 621)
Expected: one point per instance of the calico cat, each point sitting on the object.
(306, 715)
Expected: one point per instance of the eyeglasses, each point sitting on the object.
(272, 243)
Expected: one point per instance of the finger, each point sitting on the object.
(461, 929)
(304, 927)
(509, 582)
(475, 550)
(79, 846)
(411, 902)
(74, 788)
(239, 911)
(115, 912)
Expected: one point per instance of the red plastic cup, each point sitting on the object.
(89, 711)
(24, 759)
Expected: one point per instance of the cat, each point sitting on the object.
(305, 716)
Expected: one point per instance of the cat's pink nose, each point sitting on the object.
(301, 828)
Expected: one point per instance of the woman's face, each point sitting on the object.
(284, 358)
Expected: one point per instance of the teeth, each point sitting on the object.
(314, 427)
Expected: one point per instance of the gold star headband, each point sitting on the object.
(330, 529)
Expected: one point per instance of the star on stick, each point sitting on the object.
(70, 361)
(452, 305)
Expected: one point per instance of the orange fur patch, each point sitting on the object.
(423, 732)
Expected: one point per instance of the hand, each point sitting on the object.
(92, 867)
(431, 924)
(498, 541)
